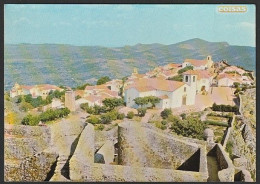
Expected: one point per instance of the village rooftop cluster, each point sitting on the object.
(178, 86)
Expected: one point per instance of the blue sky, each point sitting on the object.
(119, 25)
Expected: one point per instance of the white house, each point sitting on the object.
(19, 90)
(114, 85)
(203, 79)
(198, 64)
(172, 93)
(227, 79)
(37, 90)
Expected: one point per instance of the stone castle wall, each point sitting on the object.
(144, 147)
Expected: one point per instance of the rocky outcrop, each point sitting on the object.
(32, 168)
(226, 175)
(84, 153)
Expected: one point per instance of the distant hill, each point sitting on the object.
(74, 65)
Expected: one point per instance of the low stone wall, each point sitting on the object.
(144, 147)
(119, 173)
(222, 157)
(228, 132)
(240, 104)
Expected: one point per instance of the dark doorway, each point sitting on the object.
(203, 88)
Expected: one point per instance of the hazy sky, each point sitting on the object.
(119, 25)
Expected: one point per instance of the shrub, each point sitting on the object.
(190, 127)
(130, 115)
(225, 108)
(84, 106)
(121, 116)
(99, 127)
(183, 116)
(158, 124)
(30, 120)
(51, 114)
(164, 122)
(93, 120)
(217, 123)
(109, 116)
(99, 109)
(173, 119)
(77, 97)
(141, 111)
(229, 147)
(165, 113)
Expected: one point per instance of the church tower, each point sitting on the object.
(135, 71)
(70, 100)
(191, 81)
(209, 61)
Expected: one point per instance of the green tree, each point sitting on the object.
(146, 100)
(82, 87)
(103, 80)
(111, 103)
(165, 113)
(141, 101)
(153, 100)
(185, 69)
(176, 78)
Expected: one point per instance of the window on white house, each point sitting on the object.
(193, 78)
(186, 78)
(184, 89)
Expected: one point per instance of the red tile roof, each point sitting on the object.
(151, 84)
(202, 74)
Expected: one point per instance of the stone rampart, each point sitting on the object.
(139, 146)
(119, 173)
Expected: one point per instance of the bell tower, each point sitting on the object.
(135, 71)
(191, 81)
